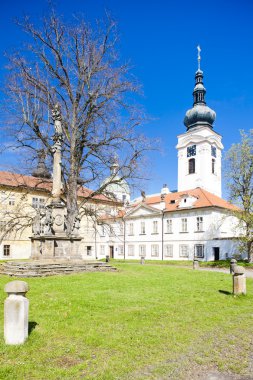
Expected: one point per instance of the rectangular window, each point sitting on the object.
(103, 230)
(155, 227)
(191, 165)
(154, 250)
(120, 250)
(7, 250)
(143, 230)
(38, 202)
(199, 250)
(184, 225)
(169, 226)
(2, 226)
(111, 231)
(102, 250)
(131, 250)
(131, 228)
(121, 228)
(89, 250)
(184, 250)
(213, 166)
(199, 223)
(7, 198)
(168, 250)
(11, 200)
(142, 250)
(213, 151)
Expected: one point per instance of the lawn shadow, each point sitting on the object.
(31, 326)
(225, 292)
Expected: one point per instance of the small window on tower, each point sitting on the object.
(213, 151)
(192, 166)
(213, 166)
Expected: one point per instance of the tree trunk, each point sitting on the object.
(72, 206)
(250, 251)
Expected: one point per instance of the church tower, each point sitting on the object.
(199, 148)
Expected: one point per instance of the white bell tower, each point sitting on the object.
(199, 148)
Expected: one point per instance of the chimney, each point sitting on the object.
(165, 190)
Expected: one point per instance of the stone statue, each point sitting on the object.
(76, 225)
(36, 224)
(48, 222)
(56, 115)
(143, 194)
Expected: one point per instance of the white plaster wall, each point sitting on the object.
(203, 138)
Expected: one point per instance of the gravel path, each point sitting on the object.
(248, 272)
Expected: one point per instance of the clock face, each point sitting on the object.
(191, 151)
(213, 151)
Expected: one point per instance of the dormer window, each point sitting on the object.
(191, 164)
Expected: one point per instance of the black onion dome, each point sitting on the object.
(200, 114)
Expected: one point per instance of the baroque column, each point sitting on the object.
(58, 137)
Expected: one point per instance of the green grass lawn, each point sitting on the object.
(142, 322)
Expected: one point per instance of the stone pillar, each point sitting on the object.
(58, 138)
(142, 260)
(16, 308)
(233, 264)
(239, 281)
(195, 264)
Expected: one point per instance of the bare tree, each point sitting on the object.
(76, 66)
(239, 173)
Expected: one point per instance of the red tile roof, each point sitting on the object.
(204, 199)
(23, 181)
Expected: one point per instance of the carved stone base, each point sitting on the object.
(56, 247)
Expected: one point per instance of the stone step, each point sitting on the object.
(42, 269)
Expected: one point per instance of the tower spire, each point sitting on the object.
(199, 57)
(200, 114)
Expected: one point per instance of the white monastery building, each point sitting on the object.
(193, 222)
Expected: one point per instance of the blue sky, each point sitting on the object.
(160, 38)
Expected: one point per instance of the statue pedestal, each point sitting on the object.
(54, 243)
(56, 247)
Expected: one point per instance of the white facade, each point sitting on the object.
(202, 148)
(206, 233)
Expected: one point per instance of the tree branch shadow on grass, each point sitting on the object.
(31, 326)
(225, 292)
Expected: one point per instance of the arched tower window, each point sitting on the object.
(192, 165)
(213, 166)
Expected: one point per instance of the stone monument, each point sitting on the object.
(16, 307)
(50, 239)
(239, 280)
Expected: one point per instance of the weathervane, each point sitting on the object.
(199, 58)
